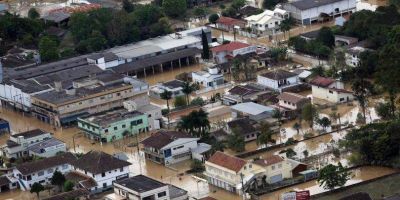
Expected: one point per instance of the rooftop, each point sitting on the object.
(37, 148)
(278, 74)
(230, 21)
(104, 119)
(174, 84)
(230, 46)
(38, 165)
(27, 86)
(242, 125)
(322, 81)
(74, 194)
(307, 4)
(97, 162)
(162, 138)
(243, 90)
(227, 161)
(108, 56)
(175, 192)
(57, 16)
(30, 134)
(140, 183)
(291, 97)
(310, 35)
(252, 108)
(269, 161)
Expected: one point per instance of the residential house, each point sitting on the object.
(229, 172)
(240, 94)
(353, 53)
(330, 90)
(267, 22)
(276, 168)
(103, 168)
(279, 80)
(174, 86)
(292, 101)
(230, 24)
(103, 91)
(243, 126)
(304, 75)
(220, 135)
(225, 52)
(113, 124)
(18, 144)
(169, 147)
(210, 78)
(342, 40)
(42, 170)
(47, 148)
(76, 194)
(254, 111)
(143, 187)
(7, 183)
(310, 11)
(201, 152)
(153, 112)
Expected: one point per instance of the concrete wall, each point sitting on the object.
(273, 84)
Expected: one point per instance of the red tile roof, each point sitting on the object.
(322, 81)
(230, 46)
(269, 161)
(227, 161)
(230, 21)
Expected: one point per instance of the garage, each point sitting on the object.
(276, 178)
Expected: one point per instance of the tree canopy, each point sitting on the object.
(174, 8)
(332, 176)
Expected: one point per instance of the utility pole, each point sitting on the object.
(243, 192)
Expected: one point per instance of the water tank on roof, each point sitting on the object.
(213, 70)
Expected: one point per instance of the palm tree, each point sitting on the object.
(187, 89)
(196, 123)
(166, 95)
(265, 134)
(286, 25)
(277, 114)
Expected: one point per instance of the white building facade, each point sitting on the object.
(330, 90)
(210, 78)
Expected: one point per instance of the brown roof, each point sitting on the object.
(69, 195)
(230, 21)
(4, 180)
(38, 165)
(242, 90)
(322, 81)
(242, 125)
(227, 161)
(278, 74)
(29, 134)
(97, 162)
(208, 198)
(162, 138)
(269, 161)
(291, 97)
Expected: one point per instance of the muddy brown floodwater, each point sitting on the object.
(139, 165)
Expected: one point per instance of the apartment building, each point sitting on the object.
(17, 145)
(100, 92)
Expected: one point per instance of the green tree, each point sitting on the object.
(197, 101)
(265, 135)
(362, 90)
(196, 123)
(290, 153)
(96, 41)
(197, 166)
(127, 6)
(187, 89)
(324, 122)
(68, 186)
(326, 37)
(237, 4)
(332, 176)
(37, 188)
(213, 18)
(174, 8)
(200, 12)
(236, 141)
(179, 101)
(383, 111)
(309, 114)
(297, 127)
(286, 25)
(206, 48)
(58, 179)
(48, 49)
(166, 95)
(33, 13)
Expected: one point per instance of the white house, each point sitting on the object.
(210, 78)
(47, 148)
(143, 187)
(267, 21)
(103, 168)
(169, 147)
(174, 86)
(225, 52)
(104, 60)
(18, 144)
(330, 90)
(278, 80)
(353, 52)
(252, 110)
(42, 170)
(292, 101)
(309, 11)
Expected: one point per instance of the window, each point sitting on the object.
(121, 169)
(123, 126)
(104, 185)
(115, 128)
(162, 194)
(65, 166)
(330, 91)
(118, 94)
(279, 165)
(106, 131)
(41, 173)
(273, 167)
(103, 174)
(50, 171)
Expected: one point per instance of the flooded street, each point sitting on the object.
(358, 175)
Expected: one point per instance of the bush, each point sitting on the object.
(336, 152)
(196, 166)
(164, 111)
(198, 101)
(68, 186)
(308, 135)
(290, 141)
(179, 101)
